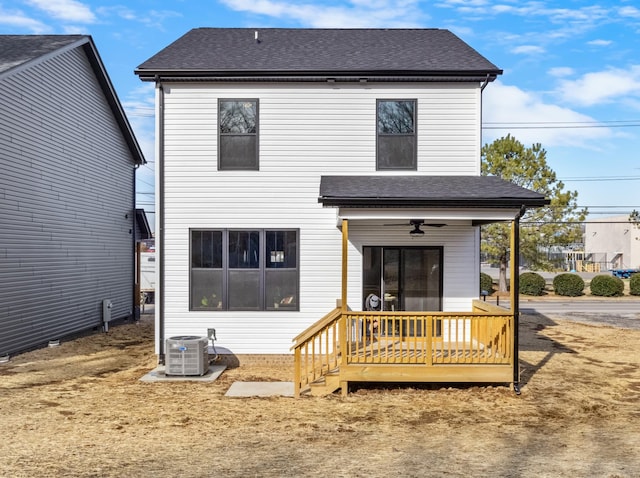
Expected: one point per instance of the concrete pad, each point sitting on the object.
(260, 389)
(158, 375)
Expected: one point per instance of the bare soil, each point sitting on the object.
(80, 410)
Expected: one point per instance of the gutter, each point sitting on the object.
(432, 203)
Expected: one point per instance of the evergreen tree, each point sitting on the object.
(557, 224)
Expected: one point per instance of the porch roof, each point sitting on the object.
(426, 191)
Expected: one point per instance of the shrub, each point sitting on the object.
(634, 284)
(606, 286)
(532, 283)
(486, 282)
(568, 285)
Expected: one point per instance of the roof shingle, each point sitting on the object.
(432, 191)
(341, 51)
(16, 50)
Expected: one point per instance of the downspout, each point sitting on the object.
(160, 225)
(484, 85)
(136, 285)
(515, 297)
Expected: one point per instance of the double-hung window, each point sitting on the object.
(238, 134)
(396, 134)
(253, 269)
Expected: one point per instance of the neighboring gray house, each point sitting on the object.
(67, 190)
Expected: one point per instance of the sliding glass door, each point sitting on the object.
(403, 279)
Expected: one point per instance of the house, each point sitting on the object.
(307, 175)
(68, 159)
(611, 243)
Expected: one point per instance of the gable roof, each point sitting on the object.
(20, 52)
(241, 53)
(426, 191)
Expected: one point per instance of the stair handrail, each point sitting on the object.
(300, 343)
(316, 327)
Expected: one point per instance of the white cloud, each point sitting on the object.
(632, 12)
(599, 42)
(117, 10)
(379, 13)
(602, 87)
(66, 10)
(16, 18)
(527, 50)
(561, 71)
(516, 111)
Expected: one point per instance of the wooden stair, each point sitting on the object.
(326, 385)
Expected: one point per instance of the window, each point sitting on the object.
(253, 269)
(238, 134)
(396, 132)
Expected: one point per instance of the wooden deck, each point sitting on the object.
(406, 346)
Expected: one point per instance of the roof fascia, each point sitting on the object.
(317, 76)
(434, 203)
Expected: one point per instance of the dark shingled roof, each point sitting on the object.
(280, 51)
(425, 191)
(16, 50)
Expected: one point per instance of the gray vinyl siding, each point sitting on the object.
(66, 197)
(306, 131)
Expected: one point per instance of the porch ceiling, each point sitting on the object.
(427, 192)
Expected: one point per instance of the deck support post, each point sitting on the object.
(345, 246)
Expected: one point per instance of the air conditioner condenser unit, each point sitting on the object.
(187, 355)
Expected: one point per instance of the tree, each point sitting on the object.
(541, 229)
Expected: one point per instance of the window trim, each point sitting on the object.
(265, 305)
(221, 166)
(414, 135)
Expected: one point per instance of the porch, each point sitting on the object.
(348, 346)
(422, 340)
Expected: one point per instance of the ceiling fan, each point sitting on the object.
(416, 223)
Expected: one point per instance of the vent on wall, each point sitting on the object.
(187, 355)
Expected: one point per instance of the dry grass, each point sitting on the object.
(80, 410)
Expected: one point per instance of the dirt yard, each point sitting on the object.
(79, 410)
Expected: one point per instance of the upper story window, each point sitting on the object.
(396, 134)
(238, 134)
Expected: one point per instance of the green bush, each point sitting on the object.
(634, 284)
(568, 285)
(532, 283)
(606, 286)
(486, 283)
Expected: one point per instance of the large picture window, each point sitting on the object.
(238, 134)
(254, 269)
(396, 134)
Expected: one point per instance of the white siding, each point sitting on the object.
(305, 131)
(66, 196)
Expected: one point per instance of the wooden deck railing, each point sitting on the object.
(428, 338)
(481, 337)
(316, 350)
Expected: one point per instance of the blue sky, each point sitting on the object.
(571, 68)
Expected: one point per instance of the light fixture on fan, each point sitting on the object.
(416, 231)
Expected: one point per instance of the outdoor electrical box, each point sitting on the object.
(107, 305)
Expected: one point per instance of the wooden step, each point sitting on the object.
(326, 385)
